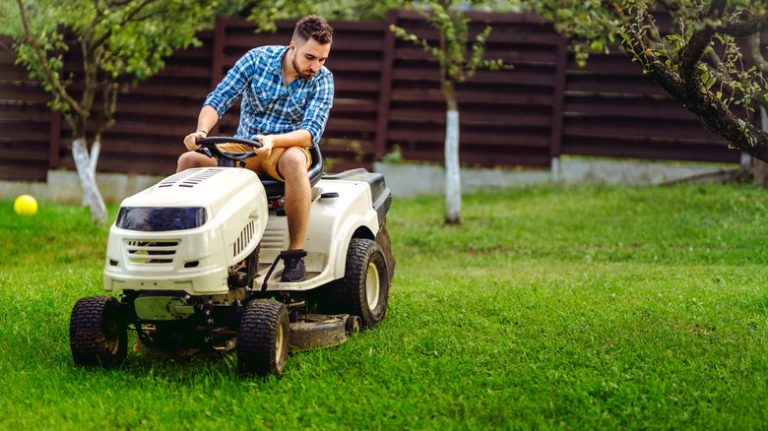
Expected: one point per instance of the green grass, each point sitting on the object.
(586, 308)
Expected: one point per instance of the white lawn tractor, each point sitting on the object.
(195, 262)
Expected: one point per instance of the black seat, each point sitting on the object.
(277, 188)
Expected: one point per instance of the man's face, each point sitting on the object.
(309, 57)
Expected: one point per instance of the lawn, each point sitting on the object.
(581, 308)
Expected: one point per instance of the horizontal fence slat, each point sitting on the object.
(643, 149)
(630, 127)
(13, 170)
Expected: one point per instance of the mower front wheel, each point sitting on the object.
(98, 335)
(263, 339)
(364, 290)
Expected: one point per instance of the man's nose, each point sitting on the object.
(315, 66)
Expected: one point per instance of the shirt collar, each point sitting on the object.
(276, 63)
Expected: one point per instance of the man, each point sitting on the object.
(286, 96)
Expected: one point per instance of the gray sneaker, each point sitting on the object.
(294, 270)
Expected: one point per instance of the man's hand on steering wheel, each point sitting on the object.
(190, 141)
(267, 143)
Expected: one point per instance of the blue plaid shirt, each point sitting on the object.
(268, 106)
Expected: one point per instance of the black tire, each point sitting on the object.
(352, 325)
(264, 338)
(364, 290)
(98, 335)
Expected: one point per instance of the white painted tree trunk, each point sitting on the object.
(88, 181)
(94, 160)
(452, 169)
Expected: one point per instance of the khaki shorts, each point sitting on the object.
(260, 164)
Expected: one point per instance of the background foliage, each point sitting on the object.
(694, 49)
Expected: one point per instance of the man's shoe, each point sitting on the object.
(294, 266)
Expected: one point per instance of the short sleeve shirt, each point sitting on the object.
(269, 107)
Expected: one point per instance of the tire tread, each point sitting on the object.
(256, 337)
(87, 335)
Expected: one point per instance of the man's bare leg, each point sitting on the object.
(192, 159)
(298, 193)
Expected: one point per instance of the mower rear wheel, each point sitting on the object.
(263, 339)
(364, 290)
(98, 335)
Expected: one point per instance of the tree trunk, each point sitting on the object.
(452, 168)
(759, 172)
(94, 160)
(88, 181)
(759, 167)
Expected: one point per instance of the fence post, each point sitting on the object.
(385, 86)
(558, 105)
(219, 34)
(217, 63)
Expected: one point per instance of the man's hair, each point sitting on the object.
(315, 27)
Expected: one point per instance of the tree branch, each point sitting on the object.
(51, 76)
(130, 16)
(754, 50)
(688, 90)
(725, 80)
(671, 7)
(748, 27)
(106, 115)
(90, 71)
(692, 51)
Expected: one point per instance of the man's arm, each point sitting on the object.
(318, 107)
(222, 97)
(207, 119)
(297, 138)
(205, 122)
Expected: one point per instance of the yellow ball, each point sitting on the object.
(25, 205)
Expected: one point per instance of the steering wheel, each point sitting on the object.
(211, 143)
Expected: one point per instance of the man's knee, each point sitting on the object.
(192, 159)
(293, 161)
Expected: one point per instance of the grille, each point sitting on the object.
(151, 252)
(245, 237)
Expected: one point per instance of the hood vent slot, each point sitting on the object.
(199, 177)
(189, 179)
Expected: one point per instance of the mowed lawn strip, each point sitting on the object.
(595, 307)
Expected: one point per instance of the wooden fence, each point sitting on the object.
(387, 95)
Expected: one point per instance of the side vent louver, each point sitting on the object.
(245, 237)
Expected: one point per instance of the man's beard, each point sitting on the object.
(306, 75)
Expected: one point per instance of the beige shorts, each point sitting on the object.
(260, 164)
